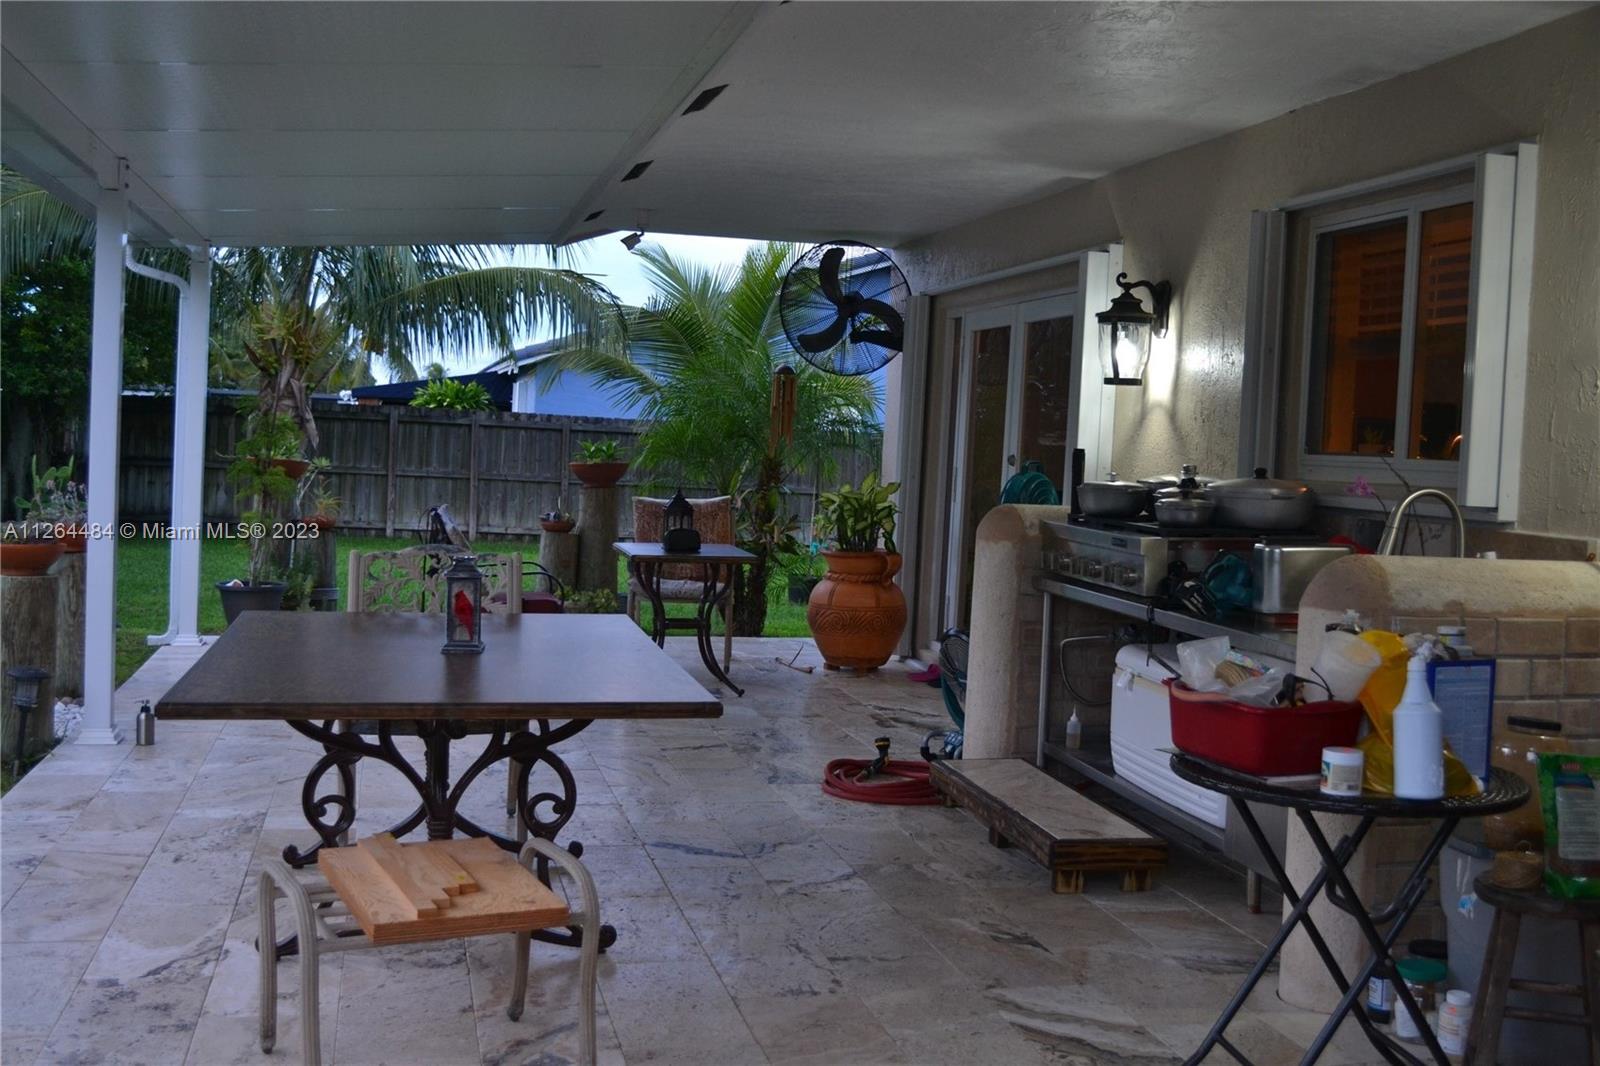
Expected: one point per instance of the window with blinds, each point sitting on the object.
(1388, 338)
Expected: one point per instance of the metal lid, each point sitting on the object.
(1259, 487)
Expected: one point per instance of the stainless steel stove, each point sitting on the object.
(1134, 556)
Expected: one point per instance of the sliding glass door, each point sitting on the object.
(1012, 404)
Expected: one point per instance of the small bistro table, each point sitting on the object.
(1501, 792)
(540, 680)
(717, 564)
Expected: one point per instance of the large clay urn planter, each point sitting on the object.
(857, 612)
(28, 558)
(598, 475)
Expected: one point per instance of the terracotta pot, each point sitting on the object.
(294, 468)
(74, 543)
(599, 475)
(28, 558)
(322, 521)
(857, 612)
(549, 526)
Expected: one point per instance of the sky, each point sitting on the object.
(605, 259)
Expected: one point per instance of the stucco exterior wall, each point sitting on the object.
(1185, 216)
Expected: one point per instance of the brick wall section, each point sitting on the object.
(1544, 667)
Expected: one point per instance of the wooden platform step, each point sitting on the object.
(1065, 831)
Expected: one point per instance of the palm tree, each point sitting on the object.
(297, 320)
(303, 317)
(700, 359)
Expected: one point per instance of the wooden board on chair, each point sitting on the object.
(438, 889)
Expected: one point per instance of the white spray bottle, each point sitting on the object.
(1418, 737)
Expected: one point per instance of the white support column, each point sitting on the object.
(105, 415)
(188, 452)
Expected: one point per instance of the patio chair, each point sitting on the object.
(324, 924)
(412, 579)
(684, 582)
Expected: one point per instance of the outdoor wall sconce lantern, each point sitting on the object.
(25, 682)
(677, 526)
(463, 616)
(1126, 329)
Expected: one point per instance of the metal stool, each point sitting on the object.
(1489, 1007)
(323, 924)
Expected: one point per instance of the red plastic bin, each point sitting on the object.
(1269, 741)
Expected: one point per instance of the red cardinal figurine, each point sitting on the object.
(463, 608)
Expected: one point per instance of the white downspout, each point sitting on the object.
(188, 445)
(105, 399)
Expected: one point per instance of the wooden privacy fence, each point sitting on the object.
(497, 471)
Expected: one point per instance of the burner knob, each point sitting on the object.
(1128, 578)
(1093, 569)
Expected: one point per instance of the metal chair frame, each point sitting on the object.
(324, 924)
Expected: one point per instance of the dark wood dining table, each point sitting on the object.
(353, 682)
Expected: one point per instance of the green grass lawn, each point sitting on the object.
(142, 567)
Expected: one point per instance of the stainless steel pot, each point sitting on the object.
(1185, 511)
(1113, 499)
(1261, 502)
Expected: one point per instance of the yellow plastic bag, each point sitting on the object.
(1379, 699)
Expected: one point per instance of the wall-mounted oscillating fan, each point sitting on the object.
(843, 306)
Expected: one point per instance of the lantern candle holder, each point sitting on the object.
(463, 607)
(677, 526)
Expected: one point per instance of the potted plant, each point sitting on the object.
(559, 520)
(857, 612)
(57, 510)
(258, 474)
(24, 552)
(599, 463)
(316, 503)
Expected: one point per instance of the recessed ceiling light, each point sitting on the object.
(703, 101)
(637, 170)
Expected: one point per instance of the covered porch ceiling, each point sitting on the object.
(376, 123)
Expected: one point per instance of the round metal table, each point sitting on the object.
(1501, 792)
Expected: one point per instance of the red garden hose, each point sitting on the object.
(901, 782)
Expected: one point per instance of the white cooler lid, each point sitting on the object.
(1135, 659)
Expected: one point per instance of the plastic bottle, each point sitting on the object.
(1455, 1018)
(1418, 737)
(1074, 731)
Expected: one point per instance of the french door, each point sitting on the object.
(1013, 405)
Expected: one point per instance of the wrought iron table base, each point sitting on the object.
(715, 587)
(1332, 881)
(331, 814)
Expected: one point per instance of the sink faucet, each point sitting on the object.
(1391, 531)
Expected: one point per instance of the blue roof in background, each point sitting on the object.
(496, 383)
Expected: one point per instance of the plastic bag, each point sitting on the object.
(1569, 798)
(1198, 661)
(1379, 699)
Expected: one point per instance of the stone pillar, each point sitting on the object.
(597, 532)
(558, 553)
(1003, 665)
(70, 574)
(28, 638)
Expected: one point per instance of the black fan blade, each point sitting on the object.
(823, 339)
(828, 275)
(883, 312)
(892, 339)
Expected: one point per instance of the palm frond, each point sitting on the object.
(37, 226)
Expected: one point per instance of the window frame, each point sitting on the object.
(1319, 466)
